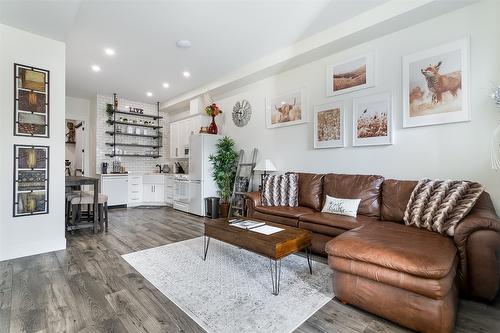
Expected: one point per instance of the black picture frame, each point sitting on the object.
(30, 180)
(31, 115)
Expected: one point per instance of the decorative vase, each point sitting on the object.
(212, 129)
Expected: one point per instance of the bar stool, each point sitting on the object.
(87, 198)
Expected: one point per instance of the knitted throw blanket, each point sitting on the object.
(439, 205)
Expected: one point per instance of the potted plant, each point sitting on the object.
(224, 163)
(109, 111)
(213, 111)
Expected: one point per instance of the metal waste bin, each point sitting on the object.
(212, 207)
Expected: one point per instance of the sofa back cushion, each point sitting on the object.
(364, 187)
(395, 197)
(310, 190)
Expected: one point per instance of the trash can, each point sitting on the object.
(212, 207)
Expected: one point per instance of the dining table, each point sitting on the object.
(78, 181)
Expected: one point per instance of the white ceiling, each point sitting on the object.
(225, 36)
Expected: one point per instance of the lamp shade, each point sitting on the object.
(265, 165)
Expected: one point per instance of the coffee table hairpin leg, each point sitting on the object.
(206, 243)
(309, 261)
(275, 268)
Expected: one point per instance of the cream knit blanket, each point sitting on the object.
(439, 205)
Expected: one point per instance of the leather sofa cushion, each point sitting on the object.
(289, 221)
(285, 211)
(433, 288)
(398, 247)
(364, 187)
(395, 197)
(310, 190)
(321, 229)
(337, 221)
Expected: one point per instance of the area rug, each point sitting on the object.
(231, 290)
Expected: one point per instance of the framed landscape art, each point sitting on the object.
(436, 85)
(31, 180)
(351, 75)
(329, 125)
(286, 109)
(372, 120)
(31, 101)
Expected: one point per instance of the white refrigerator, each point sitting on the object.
(201, 182)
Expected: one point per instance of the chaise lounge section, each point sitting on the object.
(408, 275)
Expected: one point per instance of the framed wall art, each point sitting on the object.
(329, 125)
(286, 109)
(31, 101)
(436, 85)
(351, 75)
(31, 180)
(372, 120)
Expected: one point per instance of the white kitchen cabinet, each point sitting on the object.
(180, 131)
(174, 140)
(169, 190)
(153, 189)
(135, 190)
(153, 193)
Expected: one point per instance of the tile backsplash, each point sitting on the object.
(131, 163)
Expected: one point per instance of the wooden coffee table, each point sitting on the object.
(275, 247)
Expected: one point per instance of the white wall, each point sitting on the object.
(79, 109)
(451, 151)
(22, 236)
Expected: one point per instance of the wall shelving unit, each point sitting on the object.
(116, 134)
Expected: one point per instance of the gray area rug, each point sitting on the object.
(231, 290)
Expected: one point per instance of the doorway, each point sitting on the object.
(75, 147)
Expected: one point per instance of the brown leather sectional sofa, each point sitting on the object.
(405, 274)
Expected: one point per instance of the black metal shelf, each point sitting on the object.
(111, 122)
(133, 134)
(131, 145)
(133, 155)
(138, 114)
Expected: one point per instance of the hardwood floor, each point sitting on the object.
(90, 288)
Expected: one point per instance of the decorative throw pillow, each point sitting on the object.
(347, 207)
(280, 190)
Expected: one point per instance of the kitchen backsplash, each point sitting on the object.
(132, 164)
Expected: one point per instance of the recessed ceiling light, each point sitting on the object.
(186, 74)
(95, 68)
(183, 43)
(165, 85)
(149, 94)
(109, 51)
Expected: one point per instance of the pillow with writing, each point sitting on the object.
(347, 207)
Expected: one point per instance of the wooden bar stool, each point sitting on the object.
(87, 198)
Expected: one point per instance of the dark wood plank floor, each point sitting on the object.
(90, 288)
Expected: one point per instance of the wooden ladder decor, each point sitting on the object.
(243, 181)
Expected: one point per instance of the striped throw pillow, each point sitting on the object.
(280, 190)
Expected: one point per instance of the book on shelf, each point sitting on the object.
(245, 224)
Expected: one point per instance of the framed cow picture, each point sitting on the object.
(436, 85)
(286, 109)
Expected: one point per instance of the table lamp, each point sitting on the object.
(265, 166)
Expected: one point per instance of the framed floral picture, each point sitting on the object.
(286, 109)
(436, 85)
(351, 75)
(31, 101)
(372, 120)
(31, 180)
(329, 125)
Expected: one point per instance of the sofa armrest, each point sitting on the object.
(252, 200)
(471, 275)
